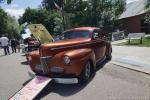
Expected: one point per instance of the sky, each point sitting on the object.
(17, 7)
(129, 1)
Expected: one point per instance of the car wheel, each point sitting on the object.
(86, 73)
(109, 55)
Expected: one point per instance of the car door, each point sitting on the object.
(99, 44)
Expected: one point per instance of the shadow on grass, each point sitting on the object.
(145, 43)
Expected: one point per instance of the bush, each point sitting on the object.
(148, 37)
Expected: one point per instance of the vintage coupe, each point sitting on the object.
(74, 57)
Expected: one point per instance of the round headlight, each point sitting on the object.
(66, 60)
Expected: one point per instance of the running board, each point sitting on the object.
(101, 60)
(32, 89)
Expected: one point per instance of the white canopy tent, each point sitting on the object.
(27, 34)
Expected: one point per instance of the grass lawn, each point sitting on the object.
(146, 42)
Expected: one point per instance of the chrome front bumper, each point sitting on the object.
(59, 80)
(62, 80)
(66, 80)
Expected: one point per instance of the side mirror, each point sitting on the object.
(95, 35)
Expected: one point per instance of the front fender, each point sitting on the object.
(82, 56)
(78, 59)
(78, 53)
(74, 55)
(35, 59)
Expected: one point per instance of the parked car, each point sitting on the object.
(74, 57)
(38, 35)
(31, 44)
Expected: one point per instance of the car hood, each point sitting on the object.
(40, 33)
(66, 42)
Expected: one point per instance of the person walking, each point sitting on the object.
(5, 44)
(13, 45)
(18, 45)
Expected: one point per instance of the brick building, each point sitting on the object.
(132, 18)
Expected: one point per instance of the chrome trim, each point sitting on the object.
(66, 80)
(77, 45)
(44, 62)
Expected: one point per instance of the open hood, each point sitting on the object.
(40, 33)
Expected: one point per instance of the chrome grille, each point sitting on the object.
(44, 63)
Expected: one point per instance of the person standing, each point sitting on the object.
(5, 44)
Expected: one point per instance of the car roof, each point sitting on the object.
(91, 29)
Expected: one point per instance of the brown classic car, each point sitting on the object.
(74, 57)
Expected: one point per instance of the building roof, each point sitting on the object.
(82, 28)
(133, 9)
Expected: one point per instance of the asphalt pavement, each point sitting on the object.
(132, 57)
(111, 82)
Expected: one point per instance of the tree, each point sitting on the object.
(41, 16)
(99, 13)
(147, 8)
(8, 25)
(52, 4)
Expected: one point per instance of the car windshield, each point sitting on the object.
(76, 34)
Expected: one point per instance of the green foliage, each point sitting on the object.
(148, 37)
(58, 25)
(99, 13)
(8, 25)
(147, 8)
(147, 5)
(49, 19)
(136, 42)
(49, 4)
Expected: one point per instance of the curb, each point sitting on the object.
(131, 67)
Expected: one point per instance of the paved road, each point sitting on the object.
(110, 83)
(140, 52)
(136, 56)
